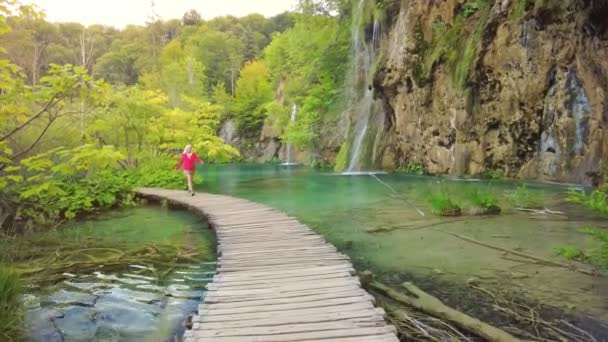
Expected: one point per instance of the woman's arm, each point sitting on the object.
(181, 161)
(197, 159)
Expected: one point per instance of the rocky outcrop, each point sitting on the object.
(263, 150)
(509, 86)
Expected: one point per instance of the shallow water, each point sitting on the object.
(344, 208)
(129, 302)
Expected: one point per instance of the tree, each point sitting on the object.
(192, 18)
(253, 91)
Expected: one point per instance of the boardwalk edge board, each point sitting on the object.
(276, 279)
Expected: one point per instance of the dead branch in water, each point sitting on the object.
(424, 302)
(572, 267)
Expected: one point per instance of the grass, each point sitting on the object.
(11, 307)
(597, 200)
(522, 197)
(443, 204)
(597, 256)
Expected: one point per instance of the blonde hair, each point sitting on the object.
(188, 149)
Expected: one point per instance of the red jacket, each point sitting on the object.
(188, 163)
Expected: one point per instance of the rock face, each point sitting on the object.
(263, 150)
(525, 92)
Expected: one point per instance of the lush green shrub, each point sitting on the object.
(442, 203)
(11, 308)
(522, 197)
(597, 200)
(483, 198)
(63, 184)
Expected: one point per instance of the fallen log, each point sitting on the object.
(423, 301)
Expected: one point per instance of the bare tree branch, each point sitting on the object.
(51, 103)
(29, 148)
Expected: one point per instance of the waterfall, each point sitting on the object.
(294, 110)
(362, 105)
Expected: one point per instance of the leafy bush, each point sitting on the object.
(63, 184)
(443, 204)
(483, 198)
(522, 197)
(412, 168)
(11, 308)
(597, 200)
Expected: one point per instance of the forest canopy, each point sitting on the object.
(88, 105)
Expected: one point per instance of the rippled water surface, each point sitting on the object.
(135, 301)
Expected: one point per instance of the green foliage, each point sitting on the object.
(442, 203)
(571, 253)
(597, 200)
(523, 197)
(412, 168)
(11, 307)
(307, 64)
(482, 197)
(491, 174)
(342, 157)
(519, 8)
(253, 92)
(472, 6)
(454, 45)
(597, 256)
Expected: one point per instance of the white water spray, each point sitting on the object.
(361, 94)
(288, 161)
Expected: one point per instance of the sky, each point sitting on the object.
(119, 13)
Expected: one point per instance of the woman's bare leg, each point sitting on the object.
(189, 178)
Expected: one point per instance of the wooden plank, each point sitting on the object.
(278, 301)
(264, 322)
(206, 309)
(363, 307)
(296, 336)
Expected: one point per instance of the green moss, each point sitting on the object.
(456, 45)
(11, 307)
(519, 9)
(342, 157)
(412, 168)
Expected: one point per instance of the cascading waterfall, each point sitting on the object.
(362, 104)
(294, 110)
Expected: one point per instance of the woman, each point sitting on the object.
(188, 160)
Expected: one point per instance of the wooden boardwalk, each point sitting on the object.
(276, 280)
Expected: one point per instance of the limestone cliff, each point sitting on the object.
(515, 86)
